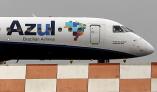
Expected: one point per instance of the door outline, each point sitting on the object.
(96, 43)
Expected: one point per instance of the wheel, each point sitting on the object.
(101, 61)
(104, 61)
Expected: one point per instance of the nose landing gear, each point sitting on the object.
(108, 61)
(3, 60)
(104, 61)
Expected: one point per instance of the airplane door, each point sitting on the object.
(95, 34)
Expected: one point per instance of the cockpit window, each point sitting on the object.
(120, 29)
(127, 29)
(117, 29)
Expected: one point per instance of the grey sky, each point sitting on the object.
(140, 15)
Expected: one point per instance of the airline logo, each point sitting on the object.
(48, 29)
(16, 27)
(76, 28)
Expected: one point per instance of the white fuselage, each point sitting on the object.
(77, 32)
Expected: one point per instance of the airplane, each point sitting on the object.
(68, 38)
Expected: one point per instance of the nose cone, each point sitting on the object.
(150, 49)
(147, 48)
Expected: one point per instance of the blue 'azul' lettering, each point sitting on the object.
(16, 27)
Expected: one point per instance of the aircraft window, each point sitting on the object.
(130, 30)
(126, 29)
(117, 29)
(60, 29)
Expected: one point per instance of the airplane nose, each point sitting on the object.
(147, 48)
(150, 49)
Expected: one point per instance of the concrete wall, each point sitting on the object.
(113, 77)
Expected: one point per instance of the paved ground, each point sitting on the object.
(77, 77)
